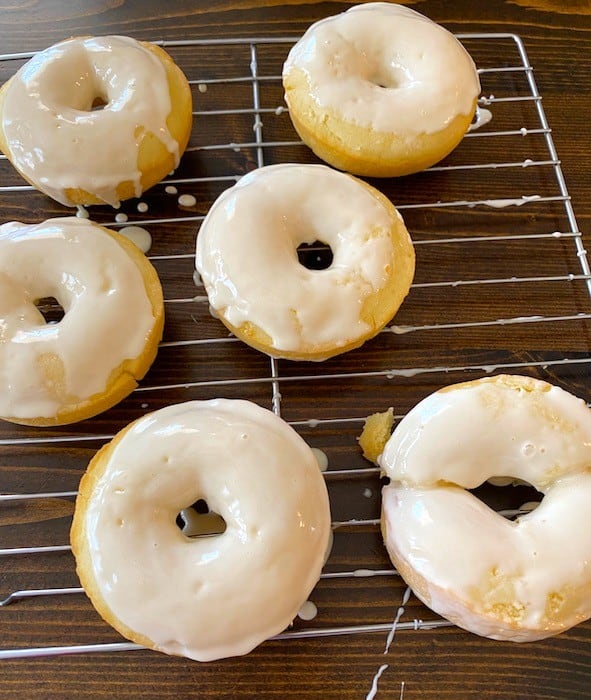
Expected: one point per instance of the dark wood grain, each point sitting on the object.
(445, 664)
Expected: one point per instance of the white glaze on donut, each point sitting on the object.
(220, 596)
(58, 142)
(380, 64)
(107, 313)
(247, 253)
(519, 580)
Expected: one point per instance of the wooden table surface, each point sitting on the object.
(496, 290)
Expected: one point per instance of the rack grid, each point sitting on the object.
(502, 279)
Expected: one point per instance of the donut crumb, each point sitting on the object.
(375, 434)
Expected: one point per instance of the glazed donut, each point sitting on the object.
(522, 580)
(77, 155)
(58, 373)
(248, 262)
(205, 597)
(380, 90)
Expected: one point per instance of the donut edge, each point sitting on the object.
(154, 160)
(457, 611)
(78, 538)
(125, 377)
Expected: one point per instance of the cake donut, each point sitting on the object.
(516, 580)
(380, 90)
(209, 597)
(247, 257)
(58, 373)
(54, 135)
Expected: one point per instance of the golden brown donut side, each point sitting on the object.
(362, 151)
(79, 539)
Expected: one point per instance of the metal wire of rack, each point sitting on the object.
(500, 222)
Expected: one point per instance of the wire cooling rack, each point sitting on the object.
(502, 279)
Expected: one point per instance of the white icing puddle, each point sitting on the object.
(482, 117)
(197, 524)
(529, 506)
(308, 611)
(374, 684)
(139, 236)
(502, 203)
(501, 480)
(364, 573)
(187, 200)
(321, 458)
(399, 613)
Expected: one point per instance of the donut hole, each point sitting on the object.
(99, 102)
(315, 256)
(508, 496)
(51, 310)
(199, 521)
(390, 77)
